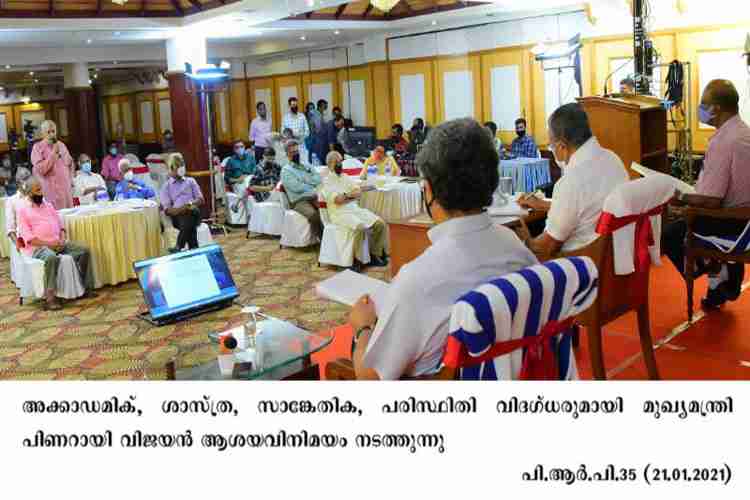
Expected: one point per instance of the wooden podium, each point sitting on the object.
(634, 127)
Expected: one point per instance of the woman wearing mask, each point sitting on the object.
(88, 187)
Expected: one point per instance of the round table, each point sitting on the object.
(394, 200)
(4, 241)
(118, 234)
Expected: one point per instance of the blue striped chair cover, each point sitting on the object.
(519, 305)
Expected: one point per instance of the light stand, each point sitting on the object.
(210, 81)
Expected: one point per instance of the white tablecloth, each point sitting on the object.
(393, 200)
(4, 241)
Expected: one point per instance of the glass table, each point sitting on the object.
(281, 351)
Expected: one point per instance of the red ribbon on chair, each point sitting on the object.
(644, 238)
(538, 361)
(352, 171)
(141, 169)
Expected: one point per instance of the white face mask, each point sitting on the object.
(128, 175)
(181, 171)
(560, 163)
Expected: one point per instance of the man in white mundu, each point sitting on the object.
(341, 194)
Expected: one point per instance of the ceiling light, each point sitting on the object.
(7, 66)
(88, 40)
(337, 32)
(384, 5)
(31, 73)
(310, 3)
(303, 38)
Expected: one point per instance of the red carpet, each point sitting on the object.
(715, 347)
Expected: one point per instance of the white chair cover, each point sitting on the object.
(267, 217)
(637, 197)
(16, 264)
(31, 278)
(329, 245)
(296, 231)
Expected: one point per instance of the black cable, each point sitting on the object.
(675, 83)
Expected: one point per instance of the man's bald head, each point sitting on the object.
(723, 94)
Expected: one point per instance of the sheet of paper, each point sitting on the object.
(679, 184)
(510, 209)
(347, 287)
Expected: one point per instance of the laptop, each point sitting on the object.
(183, 285)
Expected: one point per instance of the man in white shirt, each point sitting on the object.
(87, 185)
(591, 173)
(297, 123)
(408, 334)
(341, 195)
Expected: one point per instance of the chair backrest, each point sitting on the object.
(518, 309)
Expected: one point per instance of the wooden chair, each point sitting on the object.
(618, 295)
(694, 251)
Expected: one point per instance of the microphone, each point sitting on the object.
(606, 94)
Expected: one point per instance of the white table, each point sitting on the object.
(392, 200)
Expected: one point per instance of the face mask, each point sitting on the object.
(521, 132)
(37, 199)
(560, 163)
(294, 109)
(86, 167)
(128, 175)
(338, 168)
(113, 151)
(240, 151)
(704, 114)
(181, 171)
(295, 158)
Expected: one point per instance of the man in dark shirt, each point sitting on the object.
(327, 136)
(266, 177)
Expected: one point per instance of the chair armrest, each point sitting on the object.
(340, 369)
(718, 213)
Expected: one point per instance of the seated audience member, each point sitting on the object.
(88, 187)
(14, 203)
(397, 141)
(492, 127)
(591, 174)
(180, 198)
(724, 182)
(341, 195)
(384, 164)
(418, 133)
(41, 228)
(130, 187)
(523, 146)
(408, 336)
(239, 168)
(627, 86)
(266, 177)
(111, 169)
(301, 183)
(167, 142)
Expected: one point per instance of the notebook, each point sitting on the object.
(347, 287)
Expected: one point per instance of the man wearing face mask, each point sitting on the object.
(239, 168)
(53, 166)
(724, 182)
(591, 174)
(111, 169)
(41, 228)
(180, 198)
(297, 123)
(407, 335)
(342, 195)
(130, 187)
(523, 146)
(266, 177)
(88, 187)
(301, 183)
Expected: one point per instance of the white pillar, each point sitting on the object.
(76, 75)
(187, 47)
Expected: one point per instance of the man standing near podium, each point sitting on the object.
(723, 183)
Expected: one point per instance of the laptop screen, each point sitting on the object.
(183, 281)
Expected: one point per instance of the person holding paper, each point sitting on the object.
(724, 182)
(87, 185)
(130, 187)
(301, 184)
(341, 195)
(591, 174)
(405, 332)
